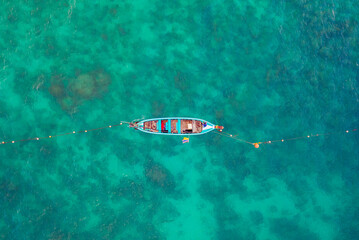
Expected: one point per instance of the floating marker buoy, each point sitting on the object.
(219, 128)
(53, 136)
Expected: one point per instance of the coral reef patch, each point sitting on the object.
(70, 93)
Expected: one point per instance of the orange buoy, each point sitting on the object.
(256, 145)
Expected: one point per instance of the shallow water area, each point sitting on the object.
(264, 70)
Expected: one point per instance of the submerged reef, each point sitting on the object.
(130, 189)
(160, 176)
(72, 92)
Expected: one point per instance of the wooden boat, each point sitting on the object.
(175, 126)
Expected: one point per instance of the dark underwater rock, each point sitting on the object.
(130, 189)
(72, 92)
(160, 176)
(285, 228)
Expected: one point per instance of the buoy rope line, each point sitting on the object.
(63, 134)
(256, 144)
(222, 133)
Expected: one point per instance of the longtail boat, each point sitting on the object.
(175, 126)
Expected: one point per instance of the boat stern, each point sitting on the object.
(219, 128)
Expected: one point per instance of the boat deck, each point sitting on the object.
(175, 126)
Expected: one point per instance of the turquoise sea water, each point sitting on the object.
(263, 69)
